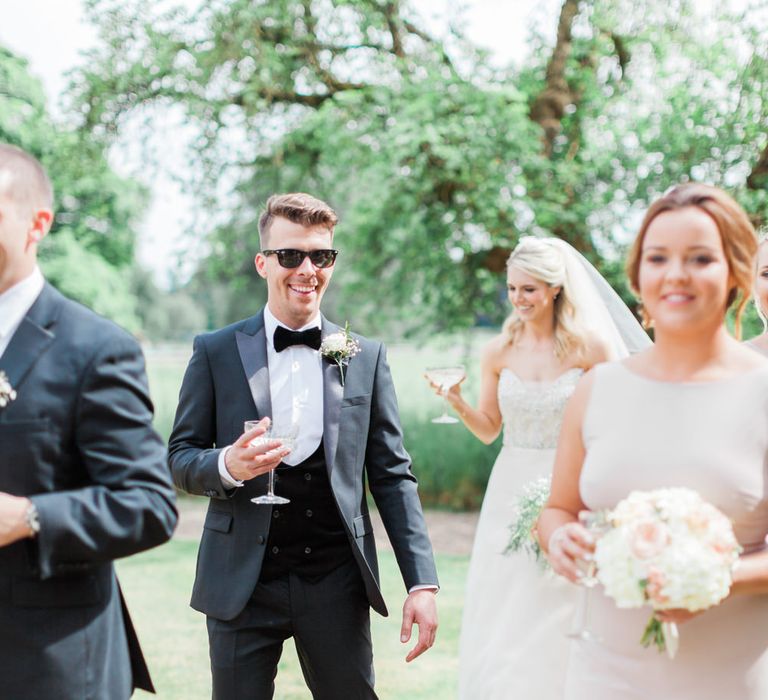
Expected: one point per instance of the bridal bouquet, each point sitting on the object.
(668, 549)
(530, 503)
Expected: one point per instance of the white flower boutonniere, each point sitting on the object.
(7, 392)
(339, 347)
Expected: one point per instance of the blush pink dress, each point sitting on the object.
(643, 434)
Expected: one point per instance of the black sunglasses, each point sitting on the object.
(290, 257)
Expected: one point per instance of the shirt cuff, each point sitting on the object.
(226, 478)
(424, 587)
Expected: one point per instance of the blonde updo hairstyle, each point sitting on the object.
(542, 259)
(736, 233)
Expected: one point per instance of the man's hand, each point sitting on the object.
(13, 521)
(245, 461)
(419, 608)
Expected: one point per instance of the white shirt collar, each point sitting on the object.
(17, 301)
(271, 323)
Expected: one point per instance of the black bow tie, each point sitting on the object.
(284, 338)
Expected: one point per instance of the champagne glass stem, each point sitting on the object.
(581, 620)
(271, 483)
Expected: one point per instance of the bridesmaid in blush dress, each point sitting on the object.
(691, 411)
(760, 343)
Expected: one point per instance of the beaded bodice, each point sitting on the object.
(532, 411)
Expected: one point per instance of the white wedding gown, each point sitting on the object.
(514, 643)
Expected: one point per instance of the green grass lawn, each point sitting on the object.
(157, 586)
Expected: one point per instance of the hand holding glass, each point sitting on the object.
(445, 378)
(287, 439)
(596, 525)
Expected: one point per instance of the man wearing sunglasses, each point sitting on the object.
(306, 569)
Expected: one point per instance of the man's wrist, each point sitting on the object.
(229, 481)
(32, 520)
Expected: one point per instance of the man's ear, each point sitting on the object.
(260, 263)
(41, 224)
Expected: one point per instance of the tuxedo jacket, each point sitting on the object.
(226, 383)
(78, 441)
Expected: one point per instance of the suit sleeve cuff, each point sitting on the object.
(424, 587)
(227, 479)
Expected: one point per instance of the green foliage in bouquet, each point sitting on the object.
(522, 530)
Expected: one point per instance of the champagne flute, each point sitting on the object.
(287, 438)
(445, 378)
(596, 525)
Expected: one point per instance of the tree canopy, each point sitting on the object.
(89, 254)
(436, 161)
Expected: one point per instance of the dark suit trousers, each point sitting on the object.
(330, 622)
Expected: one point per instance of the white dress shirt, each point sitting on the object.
(296, 395)
(15, 303)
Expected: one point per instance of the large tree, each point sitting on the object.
(89, 253)
(437, 162)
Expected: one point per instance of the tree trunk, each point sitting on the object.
(549, 106)
(758, 178)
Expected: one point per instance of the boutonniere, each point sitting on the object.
(7, 392)
(339, 347)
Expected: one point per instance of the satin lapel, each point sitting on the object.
(333, 392)
(32, 338)
(253, 355)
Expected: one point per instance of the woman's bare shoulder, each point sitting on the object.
(495, 351)
(596, 350)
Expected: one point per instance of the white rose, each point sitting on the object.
(336, 342)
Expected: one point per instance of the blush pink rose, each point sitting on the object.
(648, 538)
(654, 587)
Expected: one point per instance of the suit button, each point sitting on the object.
(275, 513)
(308, 476)
(260, 539)
(307, 550)
(308, 513)
(275, 550)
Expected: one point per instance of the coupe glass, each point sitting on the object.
(445, 378)
(287, 438)
(596, 524)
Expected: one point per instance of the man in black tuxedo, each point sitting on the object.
(306, 569)
(83, 478)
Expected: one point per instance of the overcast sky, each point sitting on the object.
(50, 34)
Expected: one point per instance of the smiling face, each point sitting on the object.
(684, 278)
(294, 295)
(533, 299)
(761, 282)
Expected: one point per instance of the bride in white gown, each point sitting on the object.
(516, 616)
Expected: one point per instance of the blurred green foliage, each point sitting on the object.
(89, 253)
(436, 160)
